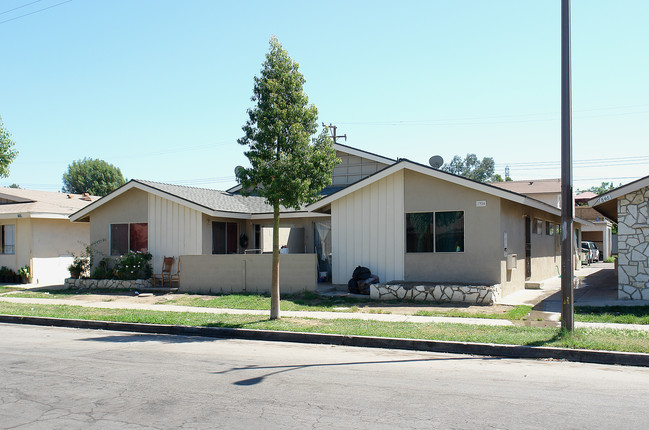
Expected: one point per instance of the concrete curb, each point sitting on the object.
(507, 351)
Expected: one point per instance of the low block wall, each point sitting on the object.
(476, 295)
(107, 283)
(236, 273)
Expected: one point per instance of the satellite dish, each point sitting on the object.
(237, 170)
(436, 161)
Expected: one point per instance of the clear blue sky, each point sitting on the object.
(160, 88)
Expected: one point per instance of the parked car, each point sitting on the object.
(591, 248)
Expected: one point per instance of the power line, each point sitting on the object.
(19, 7)
(36, 11)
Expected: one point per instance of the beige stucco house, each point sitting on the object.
(173, 220)
(415, 223)
(628, 205)
(35, 231)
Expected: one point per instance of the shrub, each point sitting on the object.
(134, 265)
(103, 270)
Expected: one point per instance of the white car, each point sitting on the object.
(591, 248)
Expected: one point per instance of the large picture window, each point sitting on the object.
(125, 237)
(435, 232)
(8, 239)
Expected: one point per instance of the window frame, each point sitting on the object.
(3, 245)
(434, 232)
(128, 237)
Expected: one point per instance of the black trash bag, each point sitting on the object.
(352, 286)
(361, 273)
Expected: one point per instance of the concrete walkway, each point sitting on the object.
(530, 297)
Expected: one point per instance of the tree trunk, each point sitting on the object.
(274, 288)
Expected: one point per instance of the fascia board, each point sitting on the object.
(458, 180)
(619, 192)
(288, 215)
(356, 186)
(364, 154)
(94, 205)
(37, 215)
(144, 187)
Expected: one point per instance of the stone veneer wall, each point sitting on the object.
(107, 283)
(477, 295)
(633, 245)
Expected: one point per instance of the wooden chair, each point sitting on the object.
(166, 275)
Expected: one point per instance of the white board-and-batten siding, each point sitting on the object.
(174, 230)
(368, 229)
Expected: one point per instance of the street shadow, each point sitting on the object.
(289, 368)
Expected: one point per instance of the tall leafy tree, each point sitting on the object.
(7, 151)
(473, 168)
(95, 177)
(290, 162)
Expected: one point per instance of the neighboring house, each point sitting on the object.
(35, 231)
(415, 223)
(545, 190)
(600, 232)
(628, 205)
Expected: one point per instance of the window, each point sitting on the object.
(538, 226)
(225, 237)
(435, 232)
(8, 233)
(125, 237)
(549, 228)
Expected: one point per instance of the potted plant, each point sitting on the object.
(25, 274)
(79, 266)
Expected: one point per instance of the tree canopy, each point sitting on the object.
(472, 168)
(95, 177)
(601, 189)
(290, 162)
(7, 151)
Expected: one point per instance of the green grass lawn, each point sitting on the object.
(605, 339)
(9, 288)
(306, 301)
(613, 314)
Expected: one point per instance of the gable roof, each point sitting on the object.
(347, 150)
(211, 202)
(532, 186)
(17, 202)
(404, 164)
(607, 203)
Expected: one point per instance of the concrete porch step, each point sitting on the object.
(533, 285)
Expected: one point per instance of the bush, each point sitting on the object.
(134, 265)
(103, 270)
(610, 259)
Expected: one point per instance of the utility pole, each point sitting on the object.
(334, 136)
(567, 208)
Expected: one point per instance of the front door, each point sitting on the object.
(528, 248)
(224, 237)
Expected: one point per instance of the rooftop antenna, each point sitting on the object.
(334, 136)
(436, 161)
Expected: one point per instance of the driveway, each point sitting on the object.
(598, 287)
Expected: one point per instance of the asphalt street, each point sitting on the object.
(80, 379)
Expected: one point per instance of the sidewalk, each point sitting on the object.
(303, 314)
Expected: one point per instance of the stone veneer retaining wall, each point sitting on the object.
(107, 283)
(478, 295)
(633, 245)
